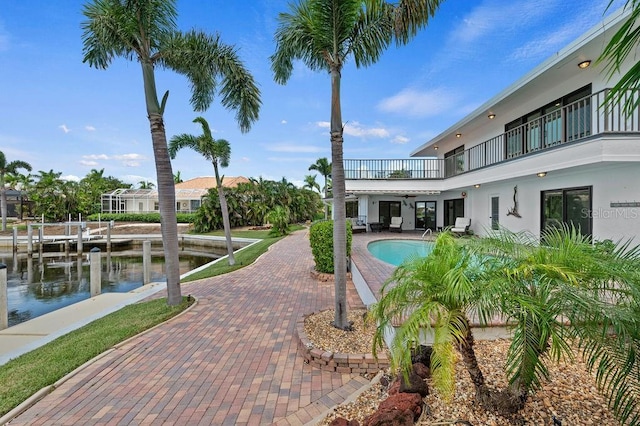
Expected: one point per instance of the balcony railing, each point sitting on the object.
(574, 122)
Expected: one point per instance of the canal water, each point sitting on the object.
(39, 285)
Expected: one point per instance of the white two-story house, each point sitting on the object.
(544, 151)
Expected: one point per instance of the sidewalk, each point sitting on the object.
(230, 360)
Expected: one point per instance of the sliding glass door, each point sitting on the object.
(567, 207)
(426, 215)
(388, 209)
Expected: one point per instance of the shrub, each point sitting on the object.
(321, 239)
(279, 220)
(139, 217)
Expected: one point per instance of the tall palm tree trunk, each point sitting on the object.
(3, 205)
(166, 187)
(339, 210)
(226, 224)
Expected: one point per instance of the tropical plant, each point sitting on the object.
(322, 245)
(563, 291)
(324, 35)
(310, 183)
(219, 153)
(323, 166)
(146, 31)
(279, 220)
(146, 184)
(5, 168)
(177, 178)
(623, 43)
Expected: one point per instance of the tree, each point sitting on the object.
(177, 178)
(6, 168)
(323, 166)
(623, 43)
(146, 184)
(324, 34)
(310, 183)
(146, 31)
(219, 153)
(564, 290)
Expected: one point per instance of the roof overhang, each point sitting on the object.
(557, 68)
(395, 193)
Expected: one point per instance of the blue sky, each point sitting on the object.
(58, 113)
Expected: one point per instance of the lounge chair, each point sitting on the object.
(461, 226)
(357, 225)
(396, 224)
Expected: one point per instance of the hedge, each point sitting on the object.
(139, 217)
(321, 239)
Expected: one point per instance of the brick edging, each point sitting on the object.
(357, 363)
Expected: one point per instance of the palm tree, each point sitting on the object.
(177, 178)
(310, 183)
(219, 153)
(5, 168)
(324, 34)
(146, 184)
(146, 31)
(323, 166)
(566, 289)
(623, 43)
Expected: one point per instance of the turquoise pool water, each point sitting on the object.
(397, 251)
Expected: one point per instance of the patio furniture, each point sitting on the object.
(396, 224)
(461, 226)
(375, 226)
(357, 225)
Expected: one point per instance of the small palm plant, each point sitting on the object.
(564, 291)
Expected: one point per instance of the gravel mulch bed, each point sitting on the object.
(570, 395)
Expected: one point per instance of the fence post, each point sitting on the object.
(79, 245)
(29, 240)
(4, 300)
(146, 262)
(96, 271)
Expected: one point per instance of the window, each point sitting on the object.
(567, 207)
(452, 210)
(454, 161)
(495, 213)
(544, 127)
(352, 208)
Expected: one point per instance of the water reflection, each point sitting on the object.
(38, 285)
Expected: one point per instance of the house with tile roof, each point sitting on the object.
(189, 195)
(546, 151)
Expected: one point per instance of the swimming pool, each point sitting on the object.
(397, 251)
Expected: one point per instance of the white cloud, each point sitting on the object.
(245, 159)
(283, 122)
(128, 160)
(90, 128)
(96, 157)
(293, 148)
(89, 163)
(356, 129)
(68, 178)
(400, 140)
(419, 103)
(64, 128)
(135, 179)
(323, 124)
(128, 157)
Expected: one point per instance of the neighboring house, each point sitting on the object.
(18, 204)
(189, 195)
(543, 152)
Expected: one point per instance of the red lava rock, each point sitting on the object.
(403, 402)
(341, 421)
(415, 384)
(390, 418)
(394, 388)
(421, 370)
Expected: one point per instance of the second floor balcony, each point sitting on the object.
(584, 119)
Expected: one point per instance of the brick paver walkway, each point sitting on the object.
(231, 360)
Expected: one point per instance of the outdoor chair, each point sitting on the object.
(396, 224)
(461, 226)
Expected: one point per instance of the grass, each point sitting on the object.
(27, 374)
(244, 257)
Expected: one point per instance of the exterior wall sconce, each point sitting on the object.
(541, 174)
(458, 135)
(584, 64)
(491, 116)
(477, 185)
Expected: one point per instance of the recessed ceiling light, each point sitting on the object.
(435, 147)
(541, 174)
(477, 185)
(491, 116)
(458, 135)
(584, 64)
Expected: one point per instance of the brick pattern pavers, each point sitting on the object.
(231, 360)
